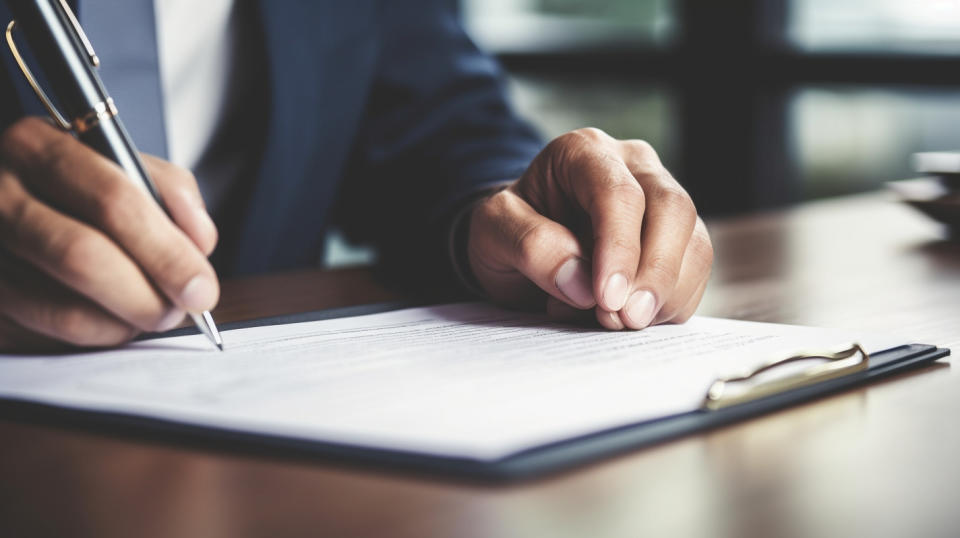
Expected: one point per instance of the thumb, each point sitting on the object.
(511, 245)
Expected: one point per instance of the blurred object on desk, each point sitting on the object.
(944, 165)
(938, 193)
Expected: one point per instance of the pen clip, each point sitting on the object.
(52, 110)
(84, 122)
(838, 363)
(80, 33)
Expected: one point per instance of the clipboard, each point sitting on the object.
(832, 372)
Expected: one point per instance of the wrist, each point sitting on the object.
(459, 239)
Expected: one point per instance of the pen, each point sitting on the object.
(69, 62)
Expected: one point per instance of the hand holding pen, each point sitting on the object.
(91, 250)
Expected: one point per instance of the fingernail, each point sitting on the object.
(615, 292)
(171, 320)
(573, 280)
(615, 320)
(640, 309)
(199, 294)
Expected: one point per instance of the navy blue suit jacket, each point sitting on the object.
(382, 118)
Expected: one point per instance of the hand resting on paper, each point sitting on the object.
(594, 223)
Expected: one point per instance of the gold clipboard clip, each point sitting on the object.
(85, 121)
(839, 363)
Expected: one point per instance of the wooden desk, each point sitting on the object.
(884, 460)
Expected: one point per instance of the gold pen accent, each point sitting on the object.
(27, 74)
(839, 363)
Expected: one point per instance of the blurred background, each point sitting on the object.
(751, 103)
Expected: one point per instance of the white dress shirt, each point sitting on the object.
(197, 42)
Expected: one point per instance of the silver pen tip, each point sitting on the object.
(204, 322)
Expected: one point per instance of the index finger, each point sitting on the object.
(668, 225)
(603, 186)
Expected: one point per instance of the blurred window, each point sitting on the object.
(911, 26)
(555, 104)
(847, 138)
(551, 25)
(860, 85)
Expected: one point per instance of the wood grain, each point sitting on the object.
(880, 461)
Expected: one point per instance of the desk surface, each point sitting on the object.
(883, 460)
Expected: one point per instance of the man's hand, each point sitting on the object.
(86, 257)
(594, 223)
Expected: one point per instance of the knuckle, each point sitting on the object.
(14, 213)
(577, 153)
(628, 195)
(623, 244)
(592, 134)
(627, 190)
(493, 212)
(52, 158)
(641, 147)
(560, 150)
(494, 206)
(21, 136)
(564, 140)
(675, 197)
(661, 269)
(78, 254)
(532, 243)
(117, 204)
(583, 137)
(644, 163)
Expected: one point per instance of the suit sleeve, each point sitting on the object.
(438, 129)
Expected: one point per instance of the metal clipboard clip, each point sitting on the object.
(84, 122)
(839, 363)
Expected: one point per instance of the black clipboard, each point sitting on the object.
(530, 463)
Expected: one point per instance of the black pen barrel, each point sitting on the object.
(111, 140)
(59, 55)
(73, 81)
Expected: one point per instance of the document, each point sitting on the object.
(464, 380)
